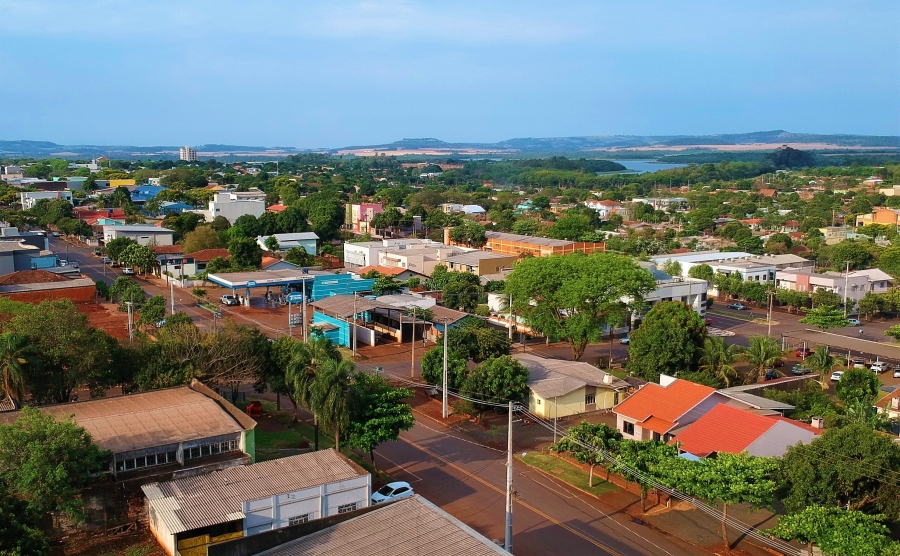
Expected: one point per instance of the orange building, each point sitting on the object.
(519, 245)
(880, 215)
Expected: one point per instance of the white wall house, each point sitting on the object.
(232, 205)
(855, 285)
(29, 198)
(365, 253)
(141, 233)
(250, 499)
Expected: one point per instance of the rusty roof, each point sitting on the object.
(218, 497)
(410, 526)
(151, 419)
(31, 277)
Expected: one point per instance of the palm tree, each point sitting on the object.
(331, 396)
(717, 359)
(821, 362)
(761, 353)
(14, 357)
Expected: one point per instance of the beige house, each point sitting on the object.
(561, 388)
(480, 263)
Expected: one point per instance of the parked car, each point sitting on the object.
(896, 372)
(803, 352)
(737, 306)
(98, 252)
(105, 260)
(859, 365)
(798, 370)
(115, 264)
(771, 374)
(392, 491)
(626, 340)
(878, 367)
(836, 376)
(229, 300)
(708, 321)
(853, 322)
(127, 271)
(778, 363)
(55, 234)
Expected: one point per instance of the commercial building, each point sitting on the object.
(196, 512)
(421, 258)
(365, 253)
(187, 154)
(411, 526)
(170, 430)
(309, 241)
(691, 291)
(30, 198)
(18, 255)
(35, 286)
(359, 216)
(879, 215)
(141, 233)
(185, 265)
(521, 245)
(853, 286)
(480, 262)
(562, 388)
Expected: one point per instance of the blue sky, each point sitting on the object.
(328, 74)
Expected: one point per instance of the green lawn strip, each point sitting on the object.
(568, 473)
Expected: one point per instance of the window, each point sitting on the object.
(298, 519)
(589, 399)
(657, 437)
(346, 508)
(628, 428)
(400, 490)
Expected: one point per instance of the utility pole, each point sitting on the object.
(353, 339)
(303, 314)
(555, 417)
(444, 411)
(846, 279)
(771, 295)
(412, 360)
(510, 318)
(171, 294)
(130, 323)
(509, 483)
(290, 318)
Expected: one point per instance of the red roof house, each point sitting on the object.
(656, 410)
(729, 429)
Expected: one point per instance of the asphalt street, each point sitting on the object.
(468, 480)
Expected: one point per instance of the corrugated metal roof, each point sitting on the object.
(147, 419)
(550, 378)
(218, 497)
(528, 239)
(411, 526)
(439, 312)
(344, 306)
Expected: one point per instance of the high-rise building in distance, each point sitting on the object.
(188, 154)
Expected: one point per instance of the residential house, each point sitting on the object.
(409, 526)
(879, 215)
(143, 193)
(276, 208)
(662, 203)
(768, 192)
(659, 411)
(233, 204)
(792, 225)
(309, 241)
(450, 208)
(480, 262)
(399, 274)
(203, 510)
(891, 191)
(181, 266)
(172, 429)
(562, 388)
(360, 215)
(890, 404)
(759, 268)
(605, 207)
(30, 198)
(873, 180)
(727, 429)
(836, 234)
(421, 259)
(141, 233)
(879, 280)
(274, 263)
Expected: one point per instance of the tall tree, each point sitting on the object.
(15, 360)
(46, 462)
(575, 296)
(331, 397)
(821, 362)
(580, 440)
(667, 341)
(836, 531)
(761, 352)
(824, 318)
(498, 379)
(379, 413)
(702, 272)
(245, 253)
(204, 237)
(717, 359)
(858, 386)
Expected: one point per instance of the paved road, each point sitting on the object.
(468, 480)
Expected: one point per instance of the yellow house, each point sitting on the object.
(121, 183)
(562, 388)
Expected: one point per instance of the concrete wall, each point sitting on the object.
(86, 294)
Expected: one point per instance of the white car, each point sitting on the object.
(128, 271)
(626, 340)
(897, 372)
(836, 376)
(879, 367)
(392, 491)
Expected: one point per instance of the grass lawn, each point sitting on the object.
(568, 473)
(268, 442)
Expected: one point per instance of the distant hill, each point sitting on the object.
(24, 148)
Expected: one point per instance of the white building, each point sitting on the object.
(141, 233)
(420, 258)
(251, 499)
(691, 291)
(662, 203)
(757, 268)
(365, 253)
(854, 285)
(29, 198)
(233, 204)
(605, 207)
(188, 154)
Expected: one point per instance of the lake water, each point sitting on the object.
(644, 166)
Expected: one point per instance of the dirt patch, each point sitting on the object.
(106, 317)
(136, 543)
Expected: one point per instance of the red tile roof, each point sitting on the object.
(276, 208)
(206, 255)
(886, 401)
(383, 270)
(654, 406)
(117, 214)
(723, 429)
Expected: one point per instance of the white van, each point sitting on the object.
(879, 367)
